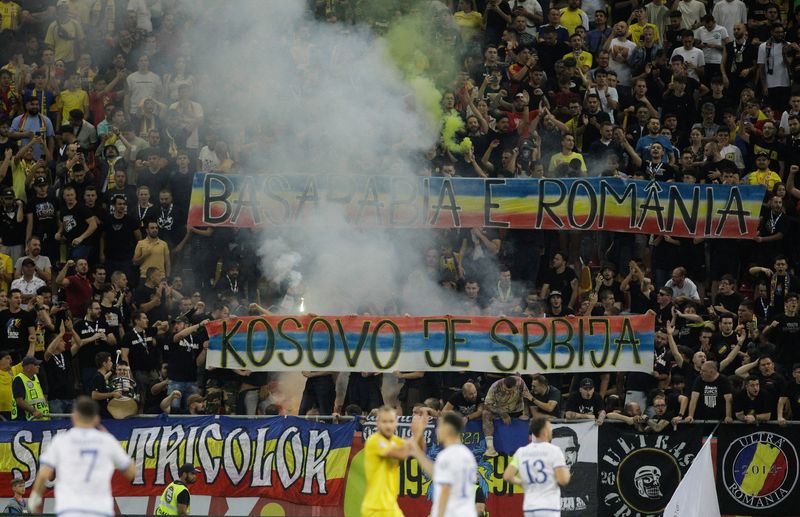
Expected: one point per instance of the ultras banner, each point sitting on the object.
(578, 441)
(609, 204)
(284, 458)
(433, 343)
(638, 473)
(757, 470)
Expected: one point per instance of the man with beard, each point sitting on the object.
(466, 403)
(766, 143)
(653, 169)
(41, 217)
(772, 71)
(620, 48)
(17, 326)
(121, 188)
(753, 404)
(152, 252)
(77, 287)
(121, 233)
(645, 143)
(30, 124)
(76, 224)
(169, 218)
(546, 399)
(739, 65)
(780, 280)
(42, 264)
(574, 500)
(561, 278)
(711, 396)
(772, 229)
(550, 49)
(180, 183)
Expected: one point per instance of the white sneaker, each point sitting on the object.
(490, 452)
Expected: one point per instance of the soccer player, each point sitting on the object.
(383, 453)
(85, 459)
(541, 469)
(454, 473)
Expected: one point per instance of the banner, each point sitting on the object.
(285, 458)
(577, 440)
(610, 204)
(433, 343)
(757, 470)
(638, 473)
(699, 479)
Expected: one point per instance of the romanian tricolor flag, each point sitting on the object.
(284, 458)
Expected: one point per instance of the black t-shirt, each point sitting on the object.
(171, 224)
(553, 393)
(765, 402)
(14, 331)
(11, 231)
(709, 167)
(181, 187)
(775, 383)
(577, 404)
(462, 406)
(729, 301)
(561, 282)
(45, 218)
(61, 381)
(128, 191)
(792, 392)
(143, 352)
(73, 221)
(639, 302)
(99, 384)
(87, 353)
(711, 403)
(182, 356)
(144, 294)
(120, 240)
(721, 347)
(785, 336)
(656, 171)
(112, 320)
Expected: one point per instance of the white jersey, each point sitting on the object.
(536, 464)
(84, 461)
(455, 466)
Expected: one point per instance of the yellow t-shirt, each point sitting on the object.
(583, 60)
(469, 23)
(636, 31)
(6, 395)
(64, 48)
(10, 13)
(7, 266)
(157, 257)
(19, 173)
(72, 100)
(571, 19)
(383, 477)
(559, 158)
(768, 178)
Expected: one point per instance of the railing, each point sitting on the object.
(348, 418)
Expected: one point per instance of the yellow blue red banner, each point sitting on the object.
(597, 203)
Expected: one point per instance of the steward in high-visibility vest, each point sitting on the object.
(28, 400)
(175, 499)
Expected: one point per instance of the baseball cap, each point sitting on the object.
(186, 468)
(555, 293)
(587, 383)
(41, 180)
(7, 192)
(30, 360)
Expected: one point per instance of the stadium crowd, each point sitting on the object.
(105, 289)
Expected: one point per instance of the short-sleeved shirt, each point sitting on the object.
(765, 402)
(14, 330)
(159, 251)
(536, 464)
(90, 457)
(577, 404)
(462, 406)
(6, 379)
(553, 393)
(384, 475)
(792, 392)
(711, 404)
(73, 221)
(455, 467)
